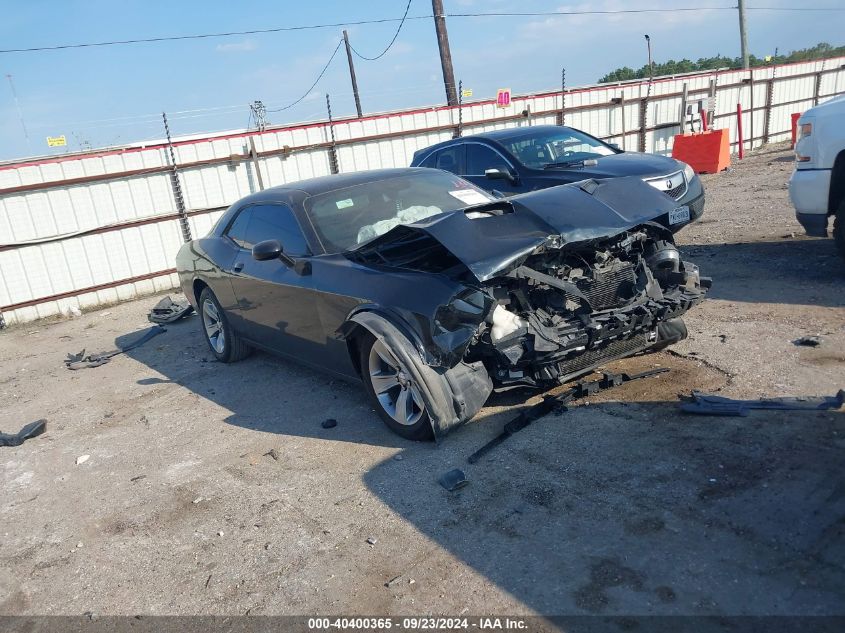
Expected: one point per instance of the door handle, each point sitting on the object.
(238, 267)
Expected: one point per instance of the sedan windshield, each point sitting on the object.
(561, 147)
(345, 218)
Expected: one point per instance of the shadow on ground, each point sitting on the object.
(787, 271)
(619, 506)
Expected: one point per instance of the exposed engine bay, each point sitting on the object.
(565, 310)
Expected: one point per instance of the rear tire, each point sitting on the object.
(226, 345)
(391, 390)
(839, 229)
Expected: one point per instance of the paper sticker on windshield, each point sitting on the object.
(342, 204)
(469, 196)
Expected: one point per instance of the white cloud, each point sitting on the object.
(237, 47)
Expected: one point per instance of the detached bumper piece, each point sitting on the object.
(168, 311)
(703, 404)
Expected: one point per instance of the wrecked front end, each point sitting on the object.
(553, 284)
(565, 310)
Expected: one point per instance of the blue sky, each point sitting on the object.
(114, 95)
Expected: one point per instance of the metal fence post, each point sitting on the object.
(253, 153)
(333, 163)
(561, 117)
(643, 111)
(460, 129)
(770, 95)
(176, 185)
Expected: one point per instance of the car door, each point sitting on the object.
(275, 302)
(480, 158)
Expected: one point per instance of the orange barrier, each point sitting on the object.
(706, 152)
(795, 116)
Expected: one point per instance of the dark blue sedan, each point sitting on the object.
(523, 159)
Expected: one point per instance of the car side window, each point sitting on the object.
(237, 230)
(430, 160)
(480, 158)
(276, 222)
(451, 159)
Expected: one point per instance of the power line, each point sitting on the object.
(199, 36)
(395, 35)
(316, 81)
(401, 20)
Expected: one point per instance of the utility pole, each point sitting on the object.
(743, 40)
(445, 52)
(352, 73)
(20, 113)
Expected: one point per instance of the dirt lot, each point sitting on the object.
(619, 506)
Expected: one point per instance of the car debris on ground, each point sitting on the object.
(168, 311)
(454, 479)
(808, 341)
(27, 432)
(703, 404)
(81, 361)
(582, 389)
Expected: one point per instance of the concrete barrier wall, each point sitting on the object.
(88, 229)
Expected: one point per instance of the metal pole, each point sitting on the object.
(253, 154)
(563, 96)
(352, 74)
(445, 52)
(459, 131)
(740, 141)
(743, 40)
(333, 163)
(177, 187)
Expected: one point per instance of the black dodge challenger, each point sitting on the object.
(434, 293)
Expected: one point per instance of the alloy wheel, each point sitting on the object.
(213, 324)
(393, 386)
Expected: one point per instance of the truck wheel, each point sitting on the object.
(839, 228)
(223, 341)
(392, 392)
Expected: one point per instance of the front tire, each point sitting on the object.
(223, 341)
(391, 390)
(839, 229)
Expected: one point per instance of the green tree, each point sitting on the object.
(822, 50)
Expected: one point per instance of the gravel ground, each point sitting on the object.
(214, 489)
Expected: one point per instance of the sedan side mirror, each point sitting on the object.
(267, 250)
(272, 249)
(497, 173)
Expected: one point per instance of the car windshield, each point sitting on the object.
(345, 218)
(538, 149)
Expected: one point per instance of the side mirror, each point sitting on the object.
(267, 250)
(615, 146)
(497, 173)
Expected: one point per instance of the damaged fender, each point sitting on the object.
(452, 396)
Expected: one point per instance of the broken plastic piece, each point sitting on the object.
(29, 431)
(168, 311)
(808, 341)
(81, 361)
(454, 479)
(703, 404)
(558, 403)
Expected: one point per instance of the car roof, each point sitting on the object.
(322, 184)
(513, 132)
(494, 135)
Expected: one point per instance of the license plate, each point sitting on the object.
(678, 215)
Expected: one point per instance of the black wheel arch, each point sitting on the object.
(837, 184)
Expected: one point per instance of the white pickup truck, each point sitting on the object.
(817, 186)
